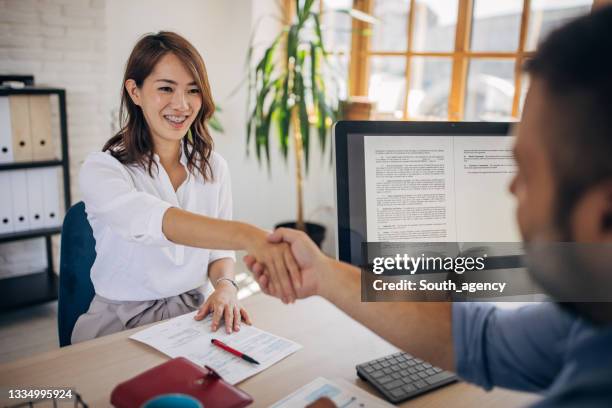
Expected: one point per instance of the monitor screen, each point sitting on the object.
(423, 182)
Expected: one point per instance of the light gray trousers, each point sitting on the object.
(107, 316)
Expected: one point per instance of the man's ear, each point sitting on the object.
(133, 90)
(592, 217)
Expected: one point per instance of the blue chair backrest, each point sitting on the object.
(78, 253)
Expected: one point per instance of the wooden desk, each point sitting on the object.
(332, 345)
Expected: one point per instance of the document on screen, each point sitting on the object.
(439, 189)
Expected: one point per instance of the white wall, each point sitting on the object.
(221, 30)
(62, 43)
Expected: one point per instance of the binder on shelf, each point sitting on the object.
(20, 127)
(40, 127)
(51, 197)
(6, 137)
(36, 210)
(19, 190)
(6, 204)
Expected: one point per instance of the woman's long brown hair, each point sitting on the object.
(133, 143)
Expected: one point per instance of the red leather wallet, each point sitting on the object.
(179, 375)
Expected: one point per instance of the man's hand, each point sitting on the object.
(312, 263)
(275, 257)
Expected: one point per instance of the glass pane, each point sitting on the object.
(430, 80)
(387, 86)
(337, 72)
(496, 25)
(435, 22)
(390, 33)
(336, 26)
(490, 90)
(546, 15)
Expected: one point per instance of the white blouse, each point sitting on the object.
(125, 207)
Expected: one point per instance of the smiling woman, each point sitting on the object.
(158, 199)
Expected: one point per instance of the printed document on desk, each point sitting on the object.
(185, 337)
(341, 392)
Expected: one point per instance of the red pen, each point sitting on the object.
(227, 348)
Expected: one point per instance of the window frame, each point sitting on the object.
(360, 53)
(461, 56)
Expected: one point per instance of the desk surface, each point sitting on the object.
(332, 345)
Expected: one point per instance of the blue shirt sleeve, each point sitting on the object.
(522, 349)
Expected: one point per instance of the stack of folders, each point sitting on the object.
(25, 128)
(30, 198)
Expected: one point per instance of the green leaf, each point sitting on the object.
(319, 34)
(302, 112)
(250, 128)
(305, 12)
(215, 123)
(283, 116)
(322, 120)
(314, 66)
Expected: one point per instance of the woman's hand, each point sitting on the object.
(313, 265)
(223, 304)
(280, 264)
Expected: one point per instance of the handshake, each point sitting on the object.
(288, 265)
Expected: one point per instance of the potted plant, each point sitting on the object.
(290, 90)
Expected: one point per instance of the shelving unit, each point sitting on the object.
(41, 286)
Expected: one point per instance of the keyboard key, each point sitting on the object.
(430, 371)
(387, 370)
(385, 364)
(423, 374)
(377, 366)
(397, 393)
(415, 377)
(439, 377)
(394, 384)
(418, 360)
(377, 374)
(412, 370)
(397, 376)
(437, 369)
(409, 388)
(385, 379)
(369, 369)
(411, 363)
(404, 373)
(427, 365)
(420, 384)
(403, 364)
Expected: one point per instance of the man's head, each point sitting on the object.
(564, 141)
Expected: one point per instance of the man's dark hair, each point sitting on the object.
(575, 63)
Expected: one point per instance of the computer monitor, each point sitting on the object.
(422, 182)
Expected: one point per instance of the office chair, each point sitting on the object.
(78, 253)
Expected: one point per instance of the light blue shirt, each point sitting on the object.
(538, 348)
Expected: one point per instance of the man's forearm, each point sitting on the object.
(419, 328)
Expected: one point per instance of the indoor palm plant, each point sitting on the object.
(292, 91)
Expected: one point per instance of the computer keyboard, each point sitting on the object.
(401, 376)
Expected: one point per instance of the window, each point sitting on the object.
(448, 59)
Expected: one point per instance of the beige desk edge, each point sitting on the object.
(333, 345)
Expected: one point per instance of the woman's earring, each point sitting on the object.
(190, 136)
